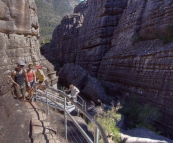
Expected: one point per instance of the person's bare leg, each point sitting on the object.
(37, 87)
(23, 98)
(44, 88)
(31, 94)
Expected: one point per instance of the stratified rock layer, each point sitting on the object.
(123, 44)
(144, 67)
(96, 32)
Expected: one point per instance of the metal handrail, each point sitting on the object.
(103, 135)
(77, 125)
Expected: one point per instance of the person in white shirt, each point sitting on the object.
(73, 92)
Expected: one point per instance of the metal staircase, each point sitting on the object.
(59, 100)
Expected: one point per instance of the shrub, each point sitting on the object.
(139, 115)
(108, 120)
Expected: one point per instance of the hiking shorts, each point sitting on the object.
(19, 91)
(74, 97)
(41, 82)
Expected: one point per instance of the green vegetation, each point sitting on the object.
(50, 13)
(108, 120)
(168, 37)
(47, 41)
(139, 115)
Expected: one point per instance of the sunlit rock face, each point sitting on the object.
(19, 17)
(19, 33)
(127, 45)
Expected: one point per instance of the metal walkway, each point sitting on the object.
(57, 99)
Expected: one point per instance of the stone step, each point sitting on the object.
(40, 129)
(46, 141)
(38, 115)
(47, 138)
(42, 132)
(44, 136)
(40, 123)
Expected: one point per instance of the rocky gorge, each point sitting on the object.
(19, 38)
(126, 44)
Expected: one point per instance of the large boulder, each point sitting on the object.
(14, 121)
(143, 135)
(73, 74)
(89, 86)
(95, 91)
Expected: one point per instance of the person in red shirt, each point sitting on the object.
(32, 80)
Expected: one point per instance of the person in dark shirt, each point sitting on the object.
(19, 78)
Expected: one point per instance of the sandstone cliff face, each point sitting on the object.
(19, 33)
(96, 33)
(142, 67)
(121, 43)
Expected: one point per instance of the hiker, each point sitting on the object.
(73, 92)
(19, 78)
(41, 78)
(32, 80)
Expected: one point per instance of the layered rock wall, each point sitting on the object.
(96, 33)
(124, 44)
(139, 62)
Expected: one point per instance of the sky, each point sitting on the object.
(81, 0)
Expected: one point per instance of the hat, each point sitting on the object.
(38, 67)
(21, 63)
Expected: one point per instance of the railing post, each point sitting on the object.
(84, 108)
(78, 112)
(96, 135)
(47, 103)
(83, 104)
(65, 118)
